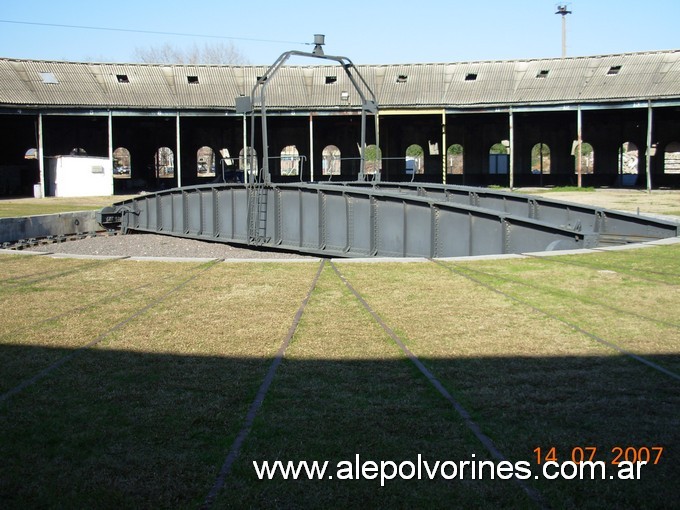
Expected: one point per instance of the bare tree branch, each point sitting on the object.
(209, 53)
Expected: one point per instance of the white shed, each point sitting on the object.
(79, 176)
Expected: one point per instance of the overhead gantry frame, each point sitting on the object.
(246, 105)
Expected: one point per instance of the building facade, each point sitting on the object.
(610, 120)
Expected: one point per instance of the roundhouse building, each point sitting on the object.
(611, 120)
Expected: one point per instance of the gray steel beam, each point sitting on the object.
(390, 220)
(567, 214)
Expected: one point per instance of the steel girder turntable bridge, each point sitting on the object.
(362, 219)
(359, 219)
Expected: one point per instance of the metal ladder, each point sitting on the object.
(258, 196)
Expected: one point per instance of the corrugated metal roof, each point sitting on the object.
(632, 76)
(552, 80)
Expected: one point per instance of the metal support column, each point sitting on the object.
(178, 164)
(111, 139)
(648, 152)
(579, 142)
(311, 148)
(362, 162)
(444, 152)
(243, 161)
(41, 157)
(378, 171)
(511, 149)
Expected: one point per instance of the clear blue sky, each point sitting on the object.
(368, 32)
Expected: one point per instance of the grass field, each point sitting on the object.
(133, 384)
(14, 207)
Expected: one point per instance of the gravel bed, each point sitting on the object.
(154, 245)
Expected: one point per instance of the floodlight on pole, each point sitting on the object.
(563, 11)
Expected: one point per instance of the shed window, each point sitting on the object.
(543, 73)
(614, 70)
(470, 76)
(331, 79)
(402, 78)
(192, 79)
(122, 78)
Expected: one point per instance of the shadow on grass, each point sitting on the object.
(137, 430)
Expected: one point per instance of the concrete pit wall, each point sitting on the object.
(34, 227)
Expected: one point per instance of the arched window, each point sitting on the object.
(540, 159)
(290, 161)
(415, 158)
(454, 159)
(122, 169)
(628, 163)
(205, 162)
(372, 160)
(31, 154)
(587, 159)
(499, 159)
(248, 163)
(671, 158)
(330, 160)
(164, 160)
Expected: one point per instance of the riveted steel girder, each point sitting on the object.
(386, 220)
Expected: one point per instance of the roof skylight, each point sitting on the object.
(48, 77)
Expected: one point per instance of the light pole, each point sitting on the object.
(562, 9)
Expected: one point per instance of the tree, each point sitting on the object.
(455, 150)
(219, 53)
(372, 153)
(372, 159)
(498, 148)
(414, 151)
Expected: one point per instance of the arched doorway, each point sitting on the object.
(330, 161)
(628, 164)
(454, 159)
(499, 159)
(290, 161)
(415, 159)
(164, 162)
(122, 167)
(540, 159)
(205, 162)
(587, 159)
(373, 160)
